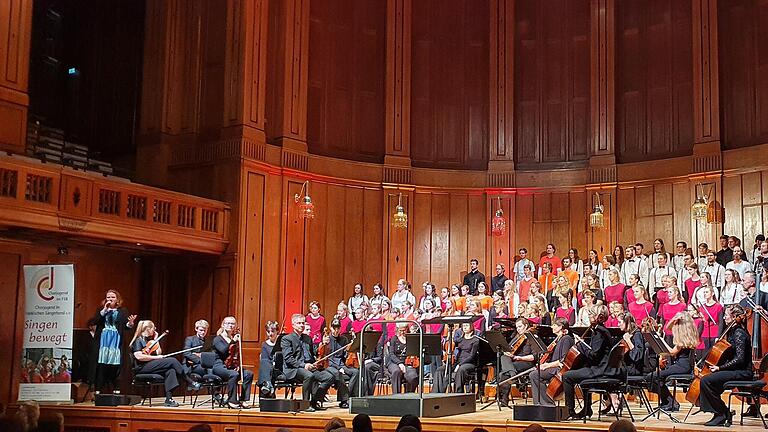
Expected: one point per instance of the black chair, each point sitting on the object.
(209, 380)
(147, 383)
(611, 386)
(749, 391)
(638, 385)
(280, 381)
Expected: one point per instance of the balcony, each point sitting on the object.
(54, 198)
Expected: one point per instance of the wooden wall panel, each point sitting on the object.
(743, 39)
(422, 237)
(732, 204)
(295, 242)
(654, 79)
(460, 237)
(346, 79)
(450, 84)
(745, 202)
(552, 82)
(373, 242)
(478, 232)
(11, 281)
(401, 249)
(522, 223)
(440, 240)
(253, 231)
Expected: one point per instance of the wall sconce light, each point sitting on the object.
(306, 208)
(62, 250)
(399, 218)
(700, 207)
(498, 223)
(596, 218)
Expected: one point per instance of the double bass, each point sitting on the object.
(235, 356)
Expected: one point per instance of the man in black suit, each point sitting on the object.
(473, 277)
(595, 362)
(192, 358)
(298, 364)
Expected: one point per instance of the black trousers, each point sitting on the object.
(410, 378)
(314, 384)
(712, 388)
(371, 370)
(509, 369)
(107, 375)
(662, 390)
(195, 369)
(232, 377)
(265, 371)
(461, 375)
(340, 377)
(169, 367)
(570, 379)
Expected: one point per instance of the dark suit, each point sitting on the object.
(192, 358)
(297, 352)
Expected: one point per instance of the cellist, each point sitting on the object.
(552, 363)
(224, 343)
(738, 367)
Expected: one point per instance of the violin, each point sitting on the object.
(412, 361)
(322, 351)
(154, 344)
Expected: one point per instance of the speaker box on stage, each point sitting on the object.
(282, 405)
(540, 413)
(428, 405)
(109, 399)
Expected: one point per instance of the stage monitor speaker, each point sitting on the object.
(429, 405)
(109, 399)
(282, 405)
(540, 413)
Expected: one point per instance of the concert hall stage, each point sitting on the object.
(86, 417)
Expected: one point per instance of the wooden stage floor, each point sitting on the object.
(87, 417)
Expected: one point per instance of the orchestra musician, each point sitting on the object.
(192, 358)
(737, 368)
(267, 359)
(226, 337)
(371, 367)
(685, 340)
(336, 367)
(513, 363)
(298, 364)
(401, 372)
(595, 362)
(464, 359)
(540, 380)
(154, 362)
(634, 356)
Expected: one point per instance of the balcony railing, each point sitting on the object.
(55, 198)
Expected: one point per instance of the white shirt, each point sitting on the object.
(678, 262)
(732, 294)
(697, 297)
(355, 302)
(605, 280)
(717, 272)
(682, 276)
(702, 262)
(741, 268)
(635, 266)
(655, 259)
(764, 287)
(400, 296)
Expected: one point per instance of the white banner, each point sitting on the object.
(49, 316)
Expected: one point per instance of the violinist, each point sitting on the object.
(299, 364)
(685, 339)
(399, 365)
(192, 358)
(737, 367)
(634, 354)
(464, 362)
(595, 355)
(551, 363)
(224, 346)
(153, 362)
(514, 362)
(336, 363)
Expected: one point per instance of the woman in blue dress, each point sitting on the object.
(111, 321)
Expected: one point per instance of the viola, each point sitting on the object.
(154, 344)
(352, 361)
(233, 357)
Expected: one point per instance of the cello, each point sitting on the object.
(572, 360)
(714, 358)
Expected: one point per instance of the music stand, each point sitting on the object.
(370, 341)
(659, 346)
(539, 348)
(450, 321)
(499, 345)
(430, 346)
